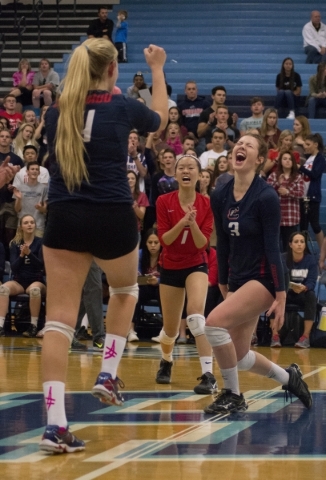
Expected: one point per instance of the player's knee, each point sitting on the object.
(66, 330)
(4, 291)
(247, 362)
(130, 290)
(217, 336)
(165, 339)
(196, 324)
(35, 292)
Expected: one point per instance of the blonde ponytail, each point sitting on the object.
(85, 70)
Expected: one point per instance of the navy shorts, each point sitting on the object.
(107, 231)
(268, 284)
(177, 278)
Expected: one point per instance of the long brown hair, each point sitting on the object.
(294, 168)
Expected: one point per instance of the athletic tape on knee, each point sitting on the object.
(196, 324)
(35, 292)
(217, 336)
(247, 362)
(4, 291)
(60, 327)
(131, 290)
(165, 339)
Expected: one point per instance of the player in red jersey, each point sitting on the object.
(185, 222)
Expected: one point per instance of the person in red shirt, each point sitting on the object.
(15, 119)
(185, 223)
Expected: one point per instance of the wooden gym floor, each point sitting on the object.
(161, 431)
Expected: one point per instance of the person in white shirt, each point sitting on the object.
(21, 177)
(314, 39)
(208, 159)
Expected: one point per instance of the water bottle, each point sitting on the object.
(322, 320)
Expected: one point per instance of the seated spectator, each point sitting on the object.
(101, 26)
(205, 181)
(207, 117)
(289, 185)
(27, 273)
(317, 90)
(221, 167)
(189, 141)
(175, 117)
(30, 156)
(25, 136)
(40, 136)
(269, 129)
(148, 265)
(225, 177)
(45, 84)
(222, 119)
(164, 181)
(31, 197)
(173, 138)
(23, 84)
(303, 276)
(314, 39)
(288, 85)
(139, 84)
(4, 123)
(301, 129)
(30, 117)
(9, 112)
(312, 172)
(140, 198)
(208, 159)
(285, 143)
(136, 161)
(255, 121)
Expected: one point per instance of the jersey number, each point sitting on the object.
(88, 126)
(234, 227)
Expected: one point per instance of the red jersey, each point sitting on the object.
(15, 119)
(182, 253)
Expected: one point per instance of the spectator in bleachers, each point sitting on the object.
(189, 141)
(101, 27)
(148, 265)
(173, 137)
(139, 84)
(30, 198)
(45, 84)
(164, 181)
(221, 167)
(269, 129)
(15, 119)
(175, 116)
(314, 39)
(285, 143)
(303, 276)
(317, 90)
(205, 181)
(191, 108)
(30, 117)
(301, 130)
(4, 123)
(136, 161)
(288, 86)
(222, 119)
(27, 273)
(23, 84)
(30, 156)
(225, 177)
(207, 117)
(255, 121)
(121, 35)
(312, 172)
(208, 159)
(288, 184)
(40, 136)
(25, 136)
(140, 198)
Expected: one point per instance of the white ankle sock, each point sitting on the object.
(34, 321)
(112, 353)
(167, 357)
(206, 364)
(54, 396)
(230, 377)
(278, 374)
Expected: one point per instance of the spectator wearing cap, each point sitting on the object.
(139, 84)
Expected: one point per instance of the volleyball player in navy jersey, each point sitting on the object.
(184, 224)
(247, 217)
(90, 216)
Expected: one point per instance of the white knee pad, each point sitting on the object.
(35, 292)
(165, 339)
(217, 336)
(61, 328)
(131, 290)
(247, 362)
(4, 291)
(196, 324)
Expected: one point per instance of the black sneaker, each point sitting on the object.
(98, 344)
(297, 386)
(83, 334)
(31, 331)
(164, 373)
(207, 385)
(76, 345)
(227, 402)
(2, 332)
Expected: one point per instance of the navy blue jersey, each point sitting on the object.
(248, 234)
(108, 121)
(27, 269)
